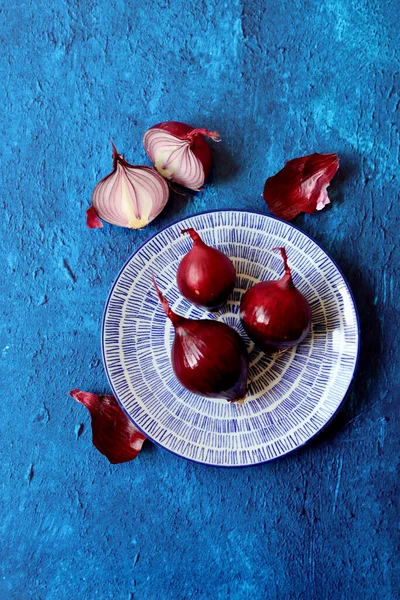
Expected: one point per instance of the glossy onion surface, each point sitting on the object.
(275, 314)
(206, 276)
(208, 357)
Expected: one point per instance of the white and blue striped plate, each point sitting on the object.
(292, 395)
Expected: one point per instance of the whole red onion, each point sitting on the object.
(206, 276)
(180, 153)
(208, 357)
(275, 314)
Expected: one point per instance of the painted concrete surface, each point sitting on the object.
(277, 80)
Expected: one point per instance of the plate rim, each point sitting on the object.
(268, 216)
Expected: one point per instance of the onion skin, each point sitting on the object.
(301, 186)
(275, 315)
(206, 276)
(209, 358)
(113, 434)
(195, 143)
(92, 220)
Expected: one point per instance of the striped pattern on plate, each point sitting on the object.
(292, 395)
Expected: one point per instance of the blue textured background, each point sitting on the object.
(277, 80)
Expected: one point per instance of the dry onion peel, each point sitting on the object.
(92, 220)
(301, 185)
(113, 434)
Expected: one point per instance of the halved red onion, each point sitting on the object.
(131, 196)
(180, 153)
(113, 434)
(301, 185)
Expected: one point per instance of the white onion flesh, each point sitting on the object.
(130, 196)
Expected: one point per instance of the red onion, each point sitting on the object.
(275, 314)
(180, 153)
(209, 358)
(206, 276)
(301, 185)
(128, 197)
(113, 433)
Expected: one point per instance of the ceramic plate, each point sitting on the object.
(293, 395)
